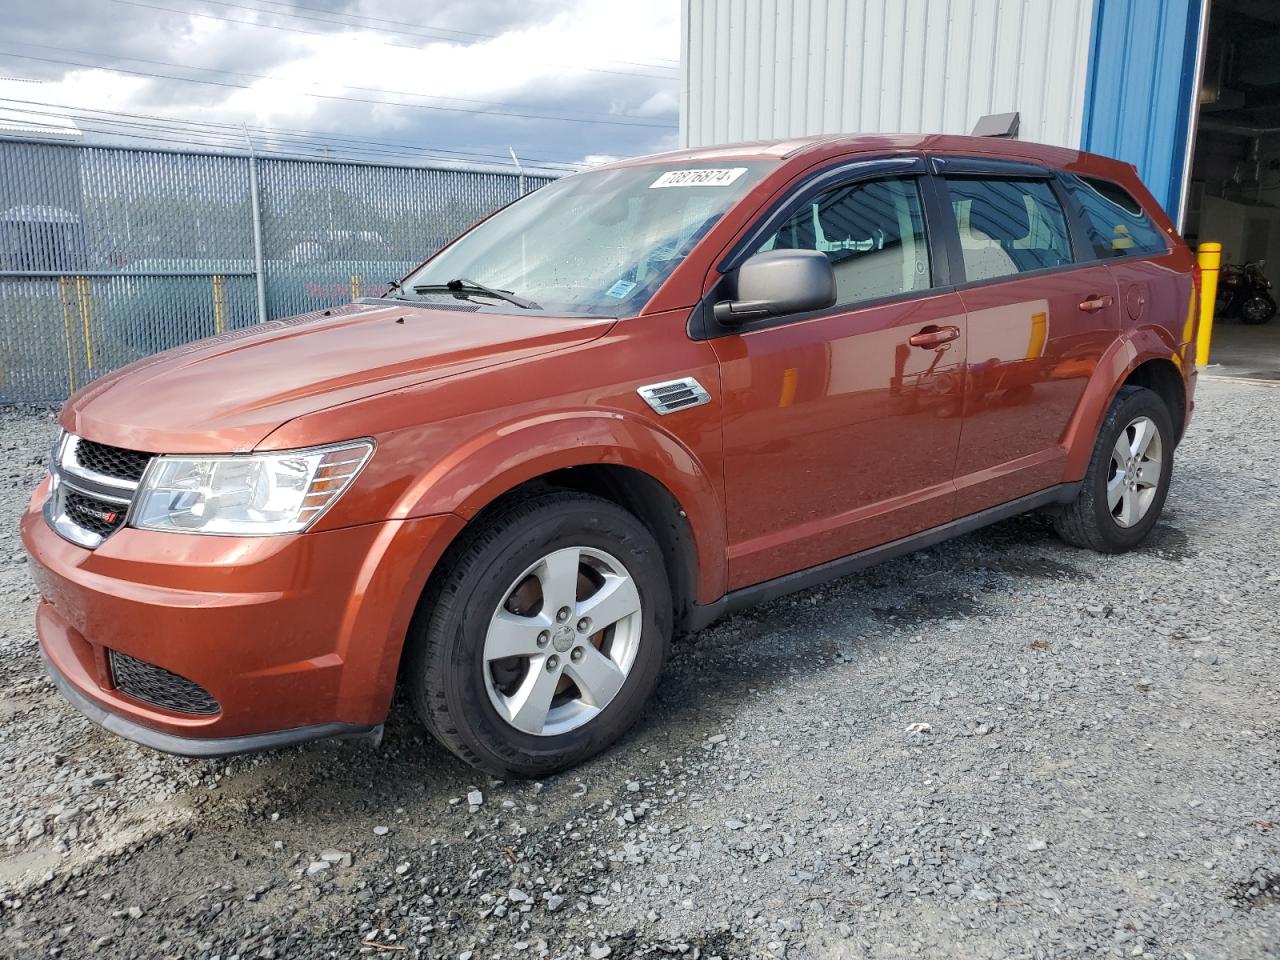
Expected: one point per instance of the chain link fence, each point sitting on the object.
(108, 254)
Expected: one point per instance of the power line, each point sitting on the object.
(230, 145)
(411, 32)
(238, 127)
(261, 76)
(317, 33)
(324, 96)
(412, 27)
(362, 16)
(232, 135)
(407, 23)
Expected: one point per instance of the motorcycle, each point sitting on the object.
(1243, 292)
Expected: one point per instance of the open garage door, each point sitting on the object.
(1234, 191)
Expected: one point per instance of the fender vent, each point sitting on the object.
(674, 395)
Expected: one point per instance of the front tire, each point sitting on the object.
(1124, 490)
(543, 637)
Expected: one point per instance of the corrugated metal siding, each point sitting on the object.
(1141, 89)
(778, 68)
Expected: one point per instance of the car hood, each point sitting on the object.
(225, 394)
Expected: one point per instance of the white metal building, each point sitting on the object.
(780, 68)
(1186, 90)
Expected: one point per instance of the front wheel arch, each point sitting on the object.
(614, 455)
(443, 648)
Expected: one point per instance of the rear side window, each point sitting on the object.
(1117, 224)
(1008, 226)
(873, 234)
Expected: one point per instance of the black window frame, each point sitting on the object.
(845, 172)
(978, 168)
(942, 232)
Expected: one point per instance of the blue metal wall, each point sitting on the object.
(1139, 96)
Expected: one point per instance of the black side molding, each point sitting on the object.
(703, 615)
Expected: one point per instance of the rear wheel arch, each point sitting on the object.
(1123, 491)
(1162, 377)
(1141, 354)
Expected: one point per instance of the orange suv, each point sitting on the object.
(631, 402)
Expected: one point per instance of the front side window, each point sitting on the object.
(873, 234)
(1117, 224)
(596, 242)
(1008, 227)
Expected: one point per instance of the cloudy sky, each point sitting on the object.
(558, 80)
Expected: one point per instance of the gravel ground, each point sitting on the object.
(1001, 747)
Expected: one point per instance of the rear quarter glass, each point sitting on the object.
(1116, 222)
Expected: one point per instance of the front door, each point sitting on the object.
(841, 427)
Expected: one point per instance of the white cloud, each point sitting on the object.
(581, 58)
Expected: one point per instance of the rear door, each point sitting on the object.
(1038, 321)
(841, 425)
(1153, 278)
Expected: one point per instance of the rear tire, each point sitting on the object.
(1124, 489)
(505, 665)
(1257, 309)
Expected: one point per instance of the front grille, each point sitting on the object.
(97, 516)
(92, 486)
(158, 687)
(112, 461)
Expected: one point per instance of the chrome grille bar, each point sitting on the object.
(69, 477)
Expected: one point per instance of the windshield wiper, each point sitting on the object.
(460, 288)
(395, 291)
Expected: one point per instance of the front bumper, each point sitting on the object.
(122, 726)
(295, 637)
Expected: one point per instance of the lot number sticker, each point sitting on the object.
(698, 178)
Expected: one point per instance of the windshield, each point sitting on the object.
(596, 242)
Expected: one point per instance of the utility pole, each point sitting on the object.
(256, 208)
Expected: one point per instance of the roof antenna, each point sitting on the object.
(1001, 125)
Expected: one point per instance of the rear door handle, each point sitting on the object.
(1094, 304)
(932, 336)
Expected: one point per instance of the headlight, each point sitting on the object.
(252, 495)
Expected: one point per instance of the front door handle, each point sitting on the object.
(932, 336)
(1095, 303)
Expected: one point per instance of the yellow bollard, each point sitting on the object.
(84, 296)
(1209, 257)
(219, 305)
(355, 286)
(64, 294)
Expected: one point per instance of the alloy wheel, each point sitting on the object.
(562, 642)
(1137, 460)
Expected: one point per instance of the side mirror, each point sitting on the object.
(779, 282)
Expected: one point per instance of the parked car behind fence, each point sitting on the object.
(108, 254)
